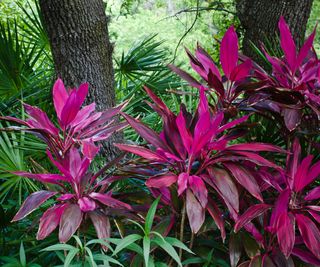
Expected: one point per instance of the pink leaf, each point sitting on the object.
(162, 180)
(229, 51)
(281, 206)
(141, 151)
(250, 214)
(70, 110)
(287, 44)
(225, 187)
(286, 233)
(147, 133)
(241, 71)
(313, 194)
(184, 132)
(301, 174)
(44, 178)
(305, 49)
(306, 256)
(195, 212)
(246, 179)
(70, 222)
(89, 149)
(109, 201)
(183, 179)
(32, 202)
(50, 220)
(184, 75)
(310, 234)
(60, 96)
(101, 224)
(40, 120)
(199, 189)
(207, 62)
(255, 147)
(82, 93)
(313, 173)
(87, 204)
(217, 217)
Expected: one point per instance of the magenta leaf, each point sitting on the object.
(225, 187)
(281, 206)
(310, 234)
(192, 81)
(286, 233)
(199, 189)
(147, 133)
(40, 120)
(32, 202)
(246, 179)
(44, 178)
(217, 217)
(301, 174)
(86, 204)
(109, 201)
(89, 149)
(162, 180)
(70, 222)
(241, 71)
(287, 44)
(305, 49)
(195, 212)
(141, 151)
(313, 194)
(50, 220)
(183, 179)
(101, 224)
(60, 96)
(229, 51)
(251, 213)
(306, 256)
(184, 133)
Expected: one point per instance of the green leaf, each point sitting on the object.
(146, 250)
(58, 247)
(103, 242)
(168, 248)
(150, 216)
(72, 253)
(78, 241)
(22, 254)
(125, 242)
(102, 257)
(193, 261)
(92, 262)
(177, 243)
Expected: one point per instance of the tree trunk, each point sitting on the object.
(81, 49)
(259, 18)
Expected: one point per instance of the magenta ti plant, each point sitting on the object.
(291, 220)
(227, 87)
(79, 127)
(293, 85)
(71, 148)
(193, 152)
(78, 194)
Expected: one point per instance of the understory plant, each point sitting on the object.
(230, 199)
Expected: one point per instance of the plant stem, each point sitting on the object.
(191, 240)
(183, 218)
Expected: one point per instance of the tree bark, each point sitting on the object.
(81, 49)
(259, 18)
